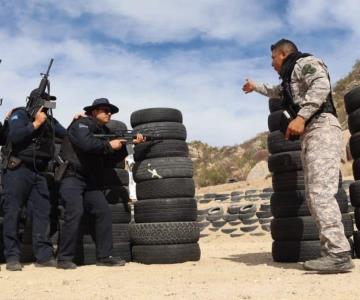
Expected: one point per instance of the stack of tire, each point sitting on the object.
(116, 181)
(165, 229)
(352, 106)
(293, 230)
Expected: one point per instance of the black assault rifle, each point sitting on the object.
(41, 96)
(128, 136)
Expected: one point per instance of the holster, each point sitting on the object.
(285, 120)
(60, 171)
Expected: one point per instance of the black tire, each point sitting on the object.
(277, 143)
(295, 251)
(230, 217)
(166, 148)
(163, 130)
(164, 233)
(263, 214)
(166, 254)
(356, 169)
(357, 243)
(120, 213)
(293, 203)
(215, 213)
(115, 126)
(246, 216)
(233, 209)
(288, 181)
(352, 100)
(122, 251)
(246, 209)
(285, 162)
(157, 114)
(117, 194)
(354, 191)
(354, 121)
(85, 254)
(357, 217)
(250, 221)
(115, 177)
(355, 145)
(274, 120)
(166, 188)
(249, 228)
(275, 104)
(120, 233)
(166, 167)
(302, 228)
(165, 210)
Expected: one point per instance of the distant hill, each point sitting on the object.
(344, 85)
(217, 165)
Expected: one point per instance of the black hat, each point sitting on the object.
(101, 102)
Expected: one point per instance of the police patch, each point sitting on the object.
(308, 69)
(83, 126)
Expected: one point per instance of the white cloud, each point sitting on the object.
(206, 88)
(321, 14)
(208, 93)
(158, 21)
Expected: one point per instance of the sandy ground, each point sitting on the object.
(230, 268)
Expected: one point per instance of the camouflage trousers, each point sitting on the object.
(321, 151)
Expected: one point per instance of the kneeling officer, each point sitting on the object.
(81, 187)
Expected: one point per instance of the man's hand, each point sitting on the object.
(296, 127)
(249, 86)
(139, 139)
(8, 114)
(79, 115)
(117, 144)
(40, 118)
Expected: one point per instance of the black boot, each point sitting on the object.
(110, 262)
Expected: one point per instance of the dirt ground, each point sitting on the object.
(230, 268)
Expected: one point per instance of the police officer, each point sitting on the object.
(31, 141)
(306, 90)
(81, 187)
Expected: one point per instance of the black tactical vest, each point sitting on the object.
(86, 164)
(288, 99)
(40, 146)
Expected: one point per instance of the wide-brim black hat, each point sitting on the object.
(100, 103)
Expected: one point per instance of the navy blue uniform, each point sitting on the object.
(26, 183)
(81, 187)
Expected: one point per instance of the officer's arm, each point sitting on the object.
(271, 91)
(81, 137)
(60, 131)
(315, 78)
(20, 128)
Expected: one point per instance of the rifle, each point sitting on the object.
(128, 135)
(39, 97)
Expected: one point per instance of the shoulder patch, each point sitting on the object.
(83, 126)
(308, 69)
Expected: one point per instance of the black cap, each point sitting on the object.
(101, 102)
(46, 96)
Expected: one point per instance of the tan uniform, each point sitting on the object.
(320, 149)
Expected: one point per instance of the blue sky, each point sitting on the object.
(191, 55)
